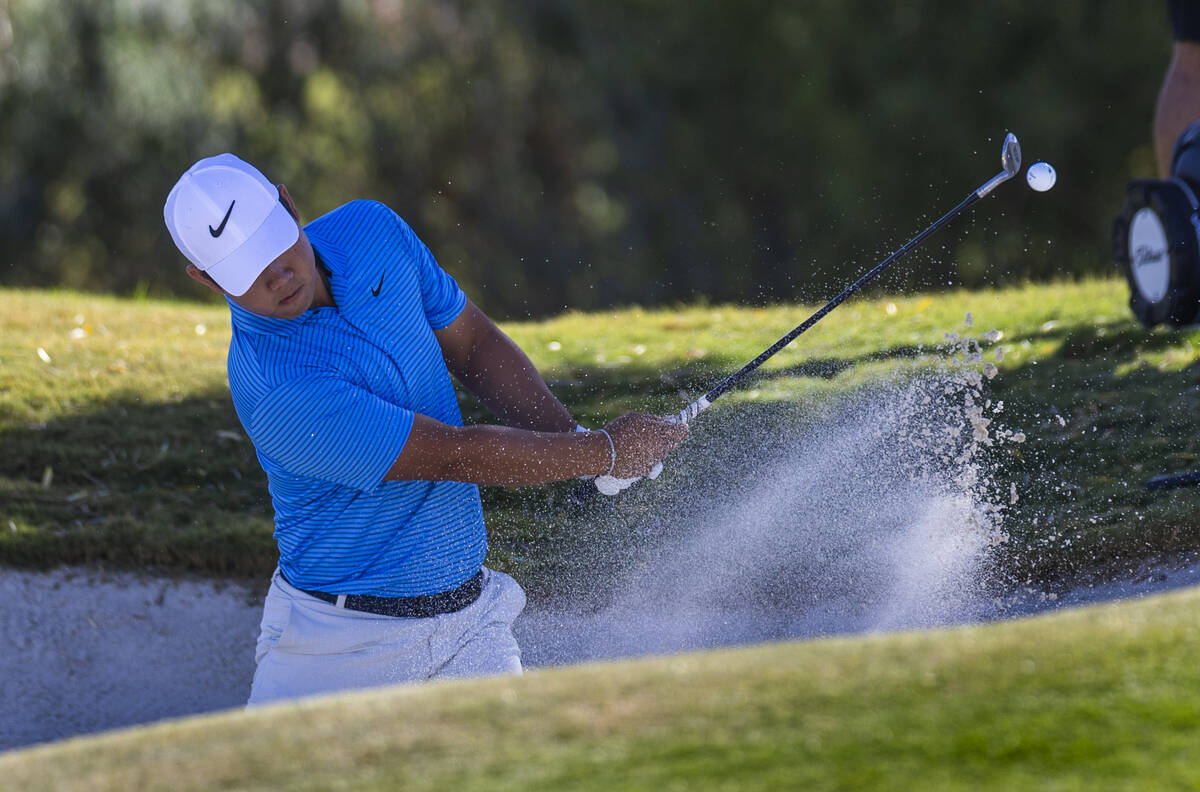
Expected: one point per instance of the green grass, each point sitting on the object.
(1099, 698)
(123, 448)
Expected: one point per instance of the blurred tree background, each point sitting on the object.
(583, 153)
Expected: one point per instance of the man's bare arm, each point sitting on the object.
(500, 374)
(538, 444)
(508, 457)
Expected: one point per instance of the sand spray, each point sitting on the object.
(880, 512)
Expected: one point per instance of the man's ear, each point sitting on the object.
(200, 276)
(287, 201)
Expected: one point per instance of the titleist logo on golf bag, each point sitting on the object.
(1145, 255)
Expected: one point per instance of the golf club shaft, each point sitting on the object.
(1010, 159)
(727, 384)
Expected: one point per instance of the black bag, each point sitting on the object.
(1156, 239)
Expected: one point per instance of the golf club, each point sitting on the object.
(1010, 160)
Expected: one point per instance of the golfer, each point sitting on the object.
(345, 334)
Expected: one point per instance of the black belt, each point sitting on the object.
(420, 607)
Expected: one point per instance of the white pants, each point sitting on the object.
(307, 646)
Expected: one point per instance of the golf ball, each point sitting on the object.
(1041, 176)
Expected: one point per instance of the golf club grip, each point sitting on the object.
(692, 410)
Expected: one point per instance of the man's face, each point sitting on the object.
(289, 285)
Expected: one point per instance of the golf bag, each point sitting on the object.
(1156, 239)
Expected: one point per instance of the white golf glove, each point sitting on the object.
(611, 485)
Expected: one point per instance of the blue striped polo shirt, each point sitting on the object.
(328, 399)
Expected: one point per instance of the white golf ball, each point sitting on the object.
(1041, 176)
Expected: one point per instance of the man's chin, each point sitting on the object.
(293, 306)
(289, 312)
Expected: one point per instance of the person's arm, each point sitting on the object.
(501, 376)
(1178, 102)
(538, 444)
(508, 457)
(325, 427)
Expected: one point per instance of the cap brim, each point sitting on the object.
(237, 272)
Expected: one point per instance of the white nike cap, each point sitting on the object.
(227, 218)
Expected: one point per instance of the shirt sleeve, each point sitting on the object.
(330, 429)
(441, 296)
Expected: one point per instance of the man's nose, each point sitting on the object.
(279, 276)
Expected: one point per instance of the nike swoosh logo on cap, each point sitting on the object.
(375, 291)
(216, 232)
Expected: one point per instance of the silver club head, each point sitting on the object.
(1010, 157)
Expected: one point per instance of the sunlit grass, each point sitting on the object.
(66, 352)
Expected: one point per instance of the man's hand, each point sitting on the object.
(641, 442)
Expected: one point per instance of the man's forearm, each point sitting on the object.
(503, 377)
(499, 455)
